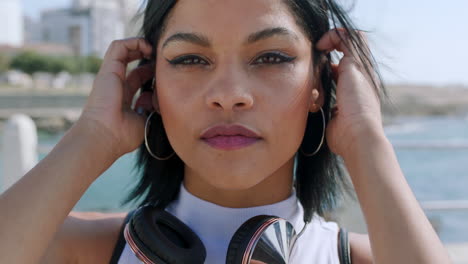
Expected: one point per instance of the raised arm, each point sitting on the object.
(398, 228)
(399, 231)
(34, 208)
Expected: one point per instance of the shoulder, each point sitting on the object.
(95, 234)
(319, 242)
(359, 244)
(361, 252)
(85, 237)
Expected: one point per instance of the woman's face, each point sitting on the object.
(249, 63)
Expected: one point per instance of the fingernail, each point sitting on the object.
(140, 110)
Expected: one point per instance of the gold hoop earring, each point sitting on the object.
(146, 141)
(321, 140)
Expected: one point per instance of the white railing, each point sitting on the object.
(437, 145)
(445, 205)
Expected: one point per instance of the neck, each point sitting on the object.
(260, 194)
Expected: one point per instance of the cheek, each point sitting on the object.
(176, 105)
(288, 105)
(168, 96)
(175, 89)
(289, 91)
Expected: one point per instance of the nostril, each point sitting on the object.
(217, 104)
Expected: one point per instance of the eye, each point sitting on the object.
(273, 58)
(188, 60)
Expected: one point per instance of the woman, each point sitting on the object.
(263, 65)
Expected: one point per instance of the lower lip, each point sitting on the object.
(230, 142)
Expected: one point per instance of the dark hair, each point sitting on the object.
(320, 179)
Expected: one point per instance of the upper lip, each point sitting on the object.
(228, 130)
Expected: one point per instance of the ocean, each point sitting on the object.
(432, 152)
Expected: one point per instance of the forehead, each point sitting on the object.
(223, 18)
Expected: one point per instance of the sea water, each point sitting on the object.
(433, 171)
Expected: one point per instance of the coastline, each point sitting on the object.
(426, 100)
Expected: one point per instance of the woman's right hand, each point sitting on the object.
(108, 112)
(106, 129)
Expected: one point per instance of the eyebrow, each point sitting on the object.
(194, 38)
(201, 40)
(268, 33)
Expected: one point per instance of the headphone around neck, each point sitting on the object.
(156, 236)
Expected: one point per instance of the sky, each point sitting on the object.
(415, 42)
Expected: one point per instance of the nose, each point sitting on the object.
(229, 90)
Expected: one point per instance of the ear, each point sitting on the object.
(317, 97)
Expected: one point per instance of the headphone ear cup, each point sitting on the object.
(242, 237)
(164, 239)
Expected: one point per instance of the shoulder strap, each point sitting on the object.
(344, 252)
(119, 246)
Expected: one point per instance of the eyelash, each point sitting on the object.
(273, 58)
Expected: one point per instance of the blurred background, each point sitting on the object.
(51, 50)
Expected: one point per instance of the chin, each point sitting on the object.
(233, 182)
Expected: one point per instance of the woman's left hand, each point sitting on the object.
(357, 113)
(356, 133)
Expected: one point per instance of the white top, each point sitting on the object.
(215, 225)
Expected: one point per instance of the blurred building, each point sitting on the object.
(88, 27)
(32, 31)
(11, 19)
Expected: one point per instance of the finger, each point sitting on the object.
(121, 52)
(134, 55)
(119, 49)
(335, 40)
(334, 111)
(335, 72)
(136, 79)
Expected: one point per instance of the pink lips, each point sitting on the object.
(229, 137)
